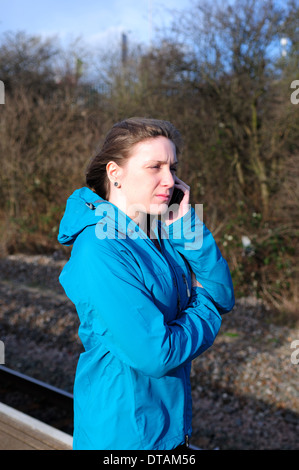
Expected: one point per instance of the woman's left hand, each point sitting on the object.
(178, 210)
(195, 282)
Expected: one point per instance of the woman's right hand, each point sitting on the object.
(183, 207)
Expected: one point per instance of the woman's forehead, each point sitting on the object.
(155, 149)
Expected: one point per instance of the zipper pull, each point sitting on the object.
(187, 440)
(90, 205)
(186, 282)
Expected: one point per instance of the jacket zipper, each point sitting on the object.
(178, 310)
(178, 293)
(185, 379)
(184, 374)
(185, 409)
(187, 287)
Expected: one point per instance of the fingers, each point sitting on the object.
(181, 184)
(183, 206)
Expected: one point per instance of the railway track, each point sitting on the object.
(38, 399)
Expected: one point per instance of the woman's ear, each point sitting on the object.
(114, 172)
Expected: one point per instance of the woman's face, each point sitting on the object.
(147, 179)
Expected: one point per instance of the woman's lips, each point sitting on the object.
(165, 197)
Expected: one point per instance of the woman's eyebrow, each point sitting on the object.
(163, 162)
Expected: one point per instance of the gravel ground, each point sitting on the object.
(245, 388)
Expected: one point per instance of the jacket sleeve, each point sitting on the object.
(191, 238)
(118, 310)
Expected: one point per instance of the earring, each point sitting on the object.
(116, 183)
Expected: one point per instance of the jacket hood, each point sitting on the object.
(85, 208)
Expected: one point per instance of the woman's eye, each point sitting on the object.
(159, 167)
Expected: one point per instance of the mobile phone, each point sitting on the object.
(177, 196)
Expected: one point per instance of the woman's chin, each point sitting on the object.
(158, 209)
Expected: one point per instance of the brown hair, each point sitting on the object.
(118, 145)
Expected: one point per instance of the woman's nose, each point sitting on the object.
(168, 179)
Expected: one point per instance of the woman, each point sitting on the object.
(148, 303)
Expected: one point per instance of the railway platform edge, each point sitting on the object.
(18, 431)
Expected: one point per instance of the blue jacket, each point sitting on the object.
(141, 322)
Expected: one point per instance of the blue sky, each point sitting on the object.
(95, 21)
(98, 24)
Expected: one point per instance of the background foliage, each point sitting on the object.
(221, 76)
